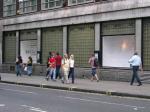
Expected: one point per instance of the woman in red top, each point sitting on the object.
(52, 65)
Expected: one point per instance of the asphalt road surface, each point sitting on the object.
(30, 99)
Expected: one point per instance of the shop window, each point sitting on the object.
(52, 40)
(81, 43)
(117, 50)
(9, 7)
(9, 47)
(146, 44)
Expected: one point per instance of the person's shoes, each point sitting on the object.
(139, 84)
(54, 80)
(62, 81)
(131, 84)
(47, 78)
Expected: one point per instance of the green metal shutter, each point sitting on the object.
(28, 35)
(146, 44)
(10, 47)
(81, 43)
(52, 40)
(118, 27)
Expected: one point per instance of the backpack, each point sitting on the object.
(96, 63)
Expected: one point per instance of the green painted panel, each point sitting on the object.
(81, 43)
(146, 44)
(52, 40)
(10, 47)
(118, 27)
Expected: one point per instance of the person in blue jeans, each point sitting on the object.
(29, 66)
(135, 62)
(18, 66)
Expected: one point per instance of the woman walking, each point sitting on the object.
(18, 65)
(65, 69)
(71, 64)
(29, 66)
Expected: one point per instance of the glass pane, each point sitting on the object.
(146, 44)
(81, 43)
(74, 1)
(51, 4)
(117, 50)
(46, 5)
(59, 3)
(10, 47)
(118, 27)
(80, 1)
(52, 41)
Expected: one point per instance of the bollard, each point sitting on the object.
(0, 77)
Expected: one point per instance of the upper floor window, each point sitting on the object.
(26, 6)
(49, 4)
(75, 2)
(9, 7)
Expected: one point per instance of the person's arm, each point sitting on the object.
(131, 60)
(90, 61)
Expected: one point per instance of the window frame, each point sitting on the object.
(27, 8)
(78, 3)
(43, 4)
(6, 10)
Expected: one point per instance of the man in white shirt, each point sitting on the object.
(135, 61)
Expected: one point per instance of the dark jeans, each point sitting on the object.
(58, 71)
(71, 73)
(135, 75)
(18, 69)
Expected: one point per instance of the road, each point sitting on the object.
(15, 98)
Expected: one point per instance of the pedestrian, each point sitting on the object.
(52, 65)
(135, 62)
(58, 65)
(29, 66)
(94, 64)
(65, 69)
(71, 64)
(19, 65)
(48, 68)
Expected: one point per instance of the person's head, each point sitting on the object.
(53, 54)
(66, 56)
(50, 53)
(57, 53)
(19, 57)
(92, 55)
(30, 58)
(135, 53)
(72, 56)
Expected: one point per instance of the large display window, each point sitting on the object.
(117, 50)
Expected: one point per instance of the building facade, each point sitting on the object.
(114, 29)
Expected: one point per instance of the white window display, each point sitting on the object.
(28, 48)
(117, 50)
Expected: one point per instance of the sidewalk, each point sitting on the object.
(83, 85)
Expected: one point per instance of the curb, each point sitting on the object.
(109, 93)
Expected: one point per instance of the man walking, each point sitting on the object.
(135, 61)
(58, 59)
(94, 65)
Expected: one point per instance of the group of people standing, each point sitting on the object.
(21, 67)
(56, 63)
